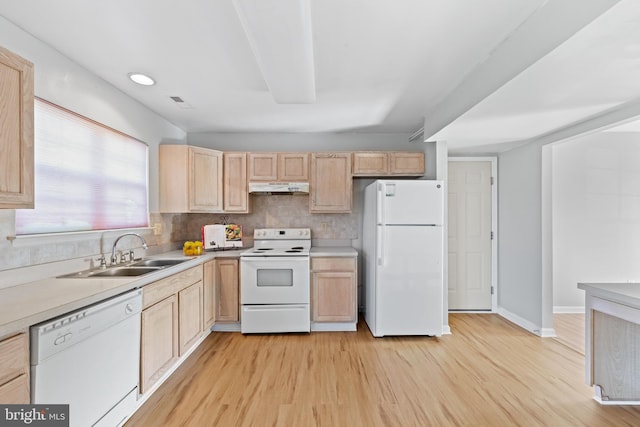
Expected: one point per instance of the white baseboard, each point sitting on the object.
(226, 327)
(568, 309)
(526, 324)
(548, 333)
(333, 326)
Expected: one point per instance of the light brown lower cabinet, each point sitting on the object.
(172, 319)
(227, 291)
(333, 289)
(209, 294)
(159, 341)
(14, 369)
(190, 316)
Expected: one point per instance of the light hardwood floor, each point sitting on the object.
(489, 372)
(570, 330)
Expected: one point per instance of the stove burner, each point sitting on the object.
(264, 249)
(294, 250)
(297, 248)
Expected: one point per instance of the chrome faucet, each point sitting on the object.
(114, 258)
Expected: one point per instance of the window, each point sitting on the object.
(87, 176)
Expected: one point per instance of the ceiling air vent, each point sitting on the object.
(180, 102)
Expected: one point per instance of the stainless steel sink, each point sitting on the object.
(125, 271)
(158, 262)
(134, 269)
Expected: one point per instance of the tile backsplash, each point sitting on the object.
(23, 262)
(274, 211)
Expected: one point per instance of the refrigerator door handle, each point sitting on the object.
(379, 204)
(379, 244)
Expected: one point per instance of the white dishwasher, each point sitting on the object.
(89, 359)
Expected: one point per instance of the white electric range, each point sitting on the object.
(274, 281)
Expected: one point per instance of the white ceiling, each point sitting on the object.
(482, 72)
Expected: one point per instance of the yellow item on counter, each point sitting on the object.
(192, 248)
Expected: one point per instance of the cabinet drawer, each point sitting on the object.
(333, 264)
(16, 391)
(161, 289)
(14, 357)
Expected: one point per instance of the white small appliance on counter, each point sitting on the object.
(221, 236)
(403, 250)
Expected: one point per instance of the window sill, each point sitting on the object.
(52, 238)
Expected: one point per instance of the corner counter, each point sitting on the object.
(612, 341)
(333, 251)
(28, 304)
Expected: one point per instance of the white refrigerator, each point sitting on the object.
(403, 257)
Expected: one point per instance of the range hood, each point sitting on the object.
(279, 187)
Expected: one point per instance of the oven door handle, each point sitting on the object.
(274, 307)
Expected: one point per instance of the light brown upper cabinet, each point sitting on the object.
(16, 131)
(278, 167)
(331, 183)
(236, 191)
(190, 179)
(370, 163)
(406, 163)
(385, 163)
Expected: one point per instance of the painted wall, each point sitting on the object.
(520, 234)
(64, 82)
(596, 214)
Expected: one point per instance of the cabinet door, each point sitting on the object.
(190, 316)
(205, 180)
(16, 391)
(190, 179)
(208, 292)
(236, 191)
(406, 163)
(334, 296)
(14, 369)
(227, 290)
(159, 341)
(16, 131)
(330, 183)
(368, 163)
(263, 167)
(293, 167)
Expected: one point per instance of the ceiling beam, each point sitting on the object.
(279, 32)
(547, 28)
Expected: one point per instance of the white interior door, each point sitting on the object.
(469, 221)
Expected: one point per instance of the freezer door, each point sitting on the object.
(410, 285)
(410, 202)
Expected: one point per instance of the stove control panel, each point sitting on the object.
(282, 233)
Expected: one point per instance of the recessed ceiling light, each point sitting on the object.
(142, 79)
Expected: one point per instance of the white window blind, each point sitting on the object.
(87, 176)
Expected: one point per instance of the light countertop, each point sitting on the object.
(333, 251)
(24, 305)
(625, 293)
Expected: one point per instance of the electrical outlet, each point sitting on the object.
(324, 227)
(157, 229)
